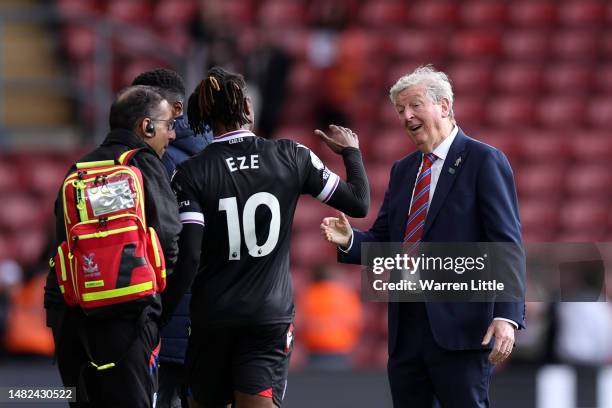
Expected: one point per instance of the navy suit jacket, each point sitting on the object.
(476, 203)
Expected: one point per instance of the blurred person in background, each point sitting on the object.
(330, 317)
(215, 41)
(175, 334)
(267, 68)
(140, 118)
(452, 189)
(246, 186)
(11, 275)
(584, 317)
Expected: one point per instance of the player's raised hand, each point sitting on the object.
(337, 230)
(339, 138)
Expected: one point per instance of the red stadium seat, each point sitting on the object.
(548, 146)
(417, 43)
(19, 211)
(561, 112)
(46, 177)
(488, 13)
(309, 248)
(519, 78)
(590, 181)
(469, 110)
(359, 45)
(80, 42)
(304, 79)
(78, 8)
(384, 13)
(309, 214)
(239, 11)
(586, 217)
(600, 112)
(540, 180)
(603, 78)
(475, 44)
(391, 144)
(281, 13)
(606, 45)
(175, 13)
(569, 78)
(471, 77)
(387, 115)
(135, 68)
(137, 12)
(378, 176)
(9, 177)
(526, 45)
(591, 147)
(510, 111)
(579, 44)
(533, 13)
(32, 242)
(433, 13)
(585, 13)
(539, 219)
(176, 39)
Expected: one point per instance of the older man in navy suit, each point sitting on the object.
(452, 189)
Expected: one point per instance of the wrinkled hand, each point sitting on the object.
(504, 340)
(337, 230)
(340, 137)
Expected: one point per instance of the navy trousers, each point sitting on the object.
(422, 374)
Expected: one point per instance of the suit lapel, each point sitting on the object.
(450, 171)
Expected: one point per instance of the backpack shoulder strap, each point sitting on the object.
(125, 157)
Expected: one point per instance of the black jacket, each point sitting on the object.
(160, 203)
(175, 334)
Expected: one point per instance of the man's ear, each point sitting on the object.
(177, 108)
(445, 107)
(146, 129)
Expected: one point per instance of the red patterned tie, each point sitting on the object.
(420, 201)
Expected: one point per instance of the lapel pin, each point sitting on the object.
(458, 161)
(451, 170)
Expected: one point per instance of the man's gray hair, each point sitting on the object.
(436, 83)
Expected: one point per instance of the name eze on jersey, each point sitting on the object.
(242, 163)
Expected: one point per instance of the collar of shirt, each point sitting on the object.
(236, 134)
(442, 150)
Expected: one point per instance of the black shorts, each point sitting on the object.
(253, 360)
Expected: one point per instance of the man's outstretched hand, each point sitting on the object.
(339, 138)
(337, 230)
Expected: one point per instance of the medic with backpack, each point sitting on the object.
(117, 227)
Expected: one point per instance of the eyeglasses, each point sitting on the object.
(171, 123)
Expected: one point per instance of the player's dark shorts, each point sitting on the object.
(253, 360)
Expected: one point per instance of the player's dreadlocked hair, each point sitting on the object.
(170, 83)
(218, 99)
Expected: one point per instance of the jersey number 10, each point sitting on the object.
(230, 206)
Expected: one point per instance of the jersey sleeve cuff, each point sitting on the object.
(192, 217)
